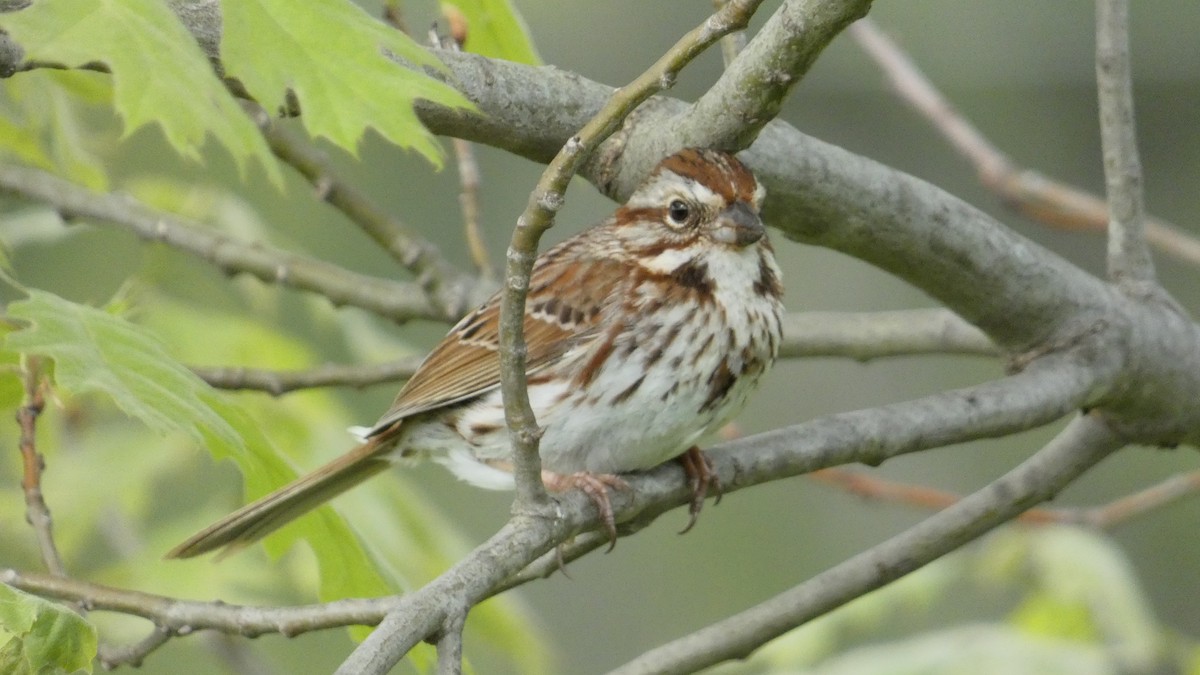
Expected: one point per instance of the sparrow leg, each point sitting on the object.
(702, 478)
(595, 486)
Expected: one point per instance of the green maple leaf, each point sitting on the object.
(160, 75)
(331, 55)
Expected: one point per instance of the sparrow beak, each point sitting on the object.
(738, 225)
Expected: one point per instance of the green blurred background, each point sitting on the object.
(1021, 70)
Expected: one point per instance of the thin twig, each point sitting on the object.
(468, 201)
(1144, 501)
(1081, 445)
(182, 617)
(1104, 516)
(544, 201)
(446, 287)
(464, 158)
(37, 514)
(1029, 192)
(135, 653)
(279, 382)
(396, 301)
(1129, 261)
(732, 44)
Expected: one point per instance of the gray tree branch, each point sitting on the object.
(1129, 261)
(522, 551)
(397, 301)
(448, 288)
(1080, 446)
(871, 335)
(751, 91)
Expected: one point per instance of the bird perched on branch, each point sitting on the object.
(644, 333)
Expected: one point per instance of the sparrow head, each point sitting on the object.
(698, 194)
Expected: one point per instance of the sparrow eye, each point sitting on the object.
(678, 211)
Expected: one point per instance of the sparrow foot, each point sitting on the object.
(703, 479)
(596, 487)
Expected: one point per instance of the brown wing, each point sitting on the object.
(565, 306)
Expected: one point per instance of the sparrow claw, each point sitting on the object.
(703, 479)
(596, 487)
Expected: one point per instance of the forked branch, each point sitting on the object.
(1079, 447)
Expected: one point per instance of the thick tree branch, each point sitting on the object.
(1080, 446)
(399, 302)
(1129, 261)
(754, 86)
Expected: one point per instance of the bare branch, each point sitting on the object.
(399, 302)
(468, 201)
(278, 382)
(464, 157)
(182, 617)
(1104, 516)
(1139, 503)
(133, 654)
(732, 44)
(1029, 192)
(1129, 261)
(871, 335)
(37, 514)
(1080, 446)
(452, 291)
(754, 86)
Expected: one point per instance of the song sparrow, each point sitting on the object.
(644, 333)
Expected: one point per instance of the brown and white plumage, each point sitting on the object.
(644, 333)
